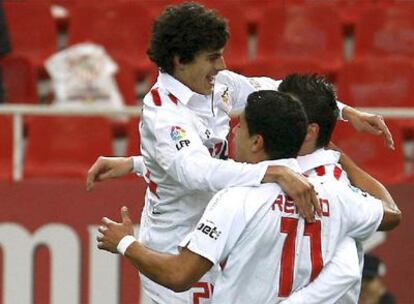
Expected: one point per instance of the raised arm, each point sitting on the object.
(364, 181)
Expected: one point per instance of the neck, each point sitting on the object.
(307, 148)
(258, 157)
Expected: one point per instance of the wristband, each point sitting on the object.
(124, 243)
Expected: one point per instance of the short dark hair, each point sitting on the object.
(184, 30)
(279, 119)
(318, 97)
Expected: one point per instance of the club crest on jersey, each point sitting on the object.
(179, 135)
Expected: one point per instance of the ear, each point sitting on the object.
(177, 63)
(256, 143)
(312, 132)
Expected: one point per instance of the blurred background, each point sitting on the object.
(73, 74)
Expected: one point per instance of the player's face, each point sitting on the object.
(241, 142)
(199, 74)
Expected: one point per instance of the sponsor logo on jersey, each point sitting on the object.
(179, 135)
(209, 229)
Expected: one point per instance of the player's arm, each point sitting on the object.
(188, 161)
(199, 250)
(335, 279)
(176, 272)
(364, 181)
(369, 123)
(361, 121)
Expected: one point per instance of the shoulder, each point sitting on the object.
(246, 200)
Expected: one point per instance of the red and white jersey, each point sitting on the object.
(340, 280)
(184, 147)
(268, 249)
(185, 150)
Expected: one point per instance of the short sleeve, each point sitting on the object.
(363, 212)
(219, 228)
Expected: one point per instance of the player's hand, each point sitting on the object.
(112, 232)
(106, 168)
(298, 188)
(370, 123)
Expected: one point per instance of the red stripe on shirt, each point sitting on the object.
(320, 171)
(337, 172)
(156, 98)
(151, 185)
(173, 98)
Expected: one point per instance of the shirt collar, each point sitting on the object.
(318, 158)
(291, 163)
(175, 87)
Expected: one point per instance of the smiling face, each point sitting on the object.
(199, 74)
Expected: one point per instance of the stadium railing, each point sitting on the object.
(18, 111)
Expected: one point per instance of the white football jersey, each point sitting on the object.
(184, 147)
(340, 280)
(268, 249)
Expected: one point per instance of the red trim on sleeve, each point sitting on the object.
(156, 98)
(337, 172)
(320, 171)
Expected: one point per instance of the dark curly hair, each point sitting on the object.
(318, 97)
(184, 30)
(279, 119)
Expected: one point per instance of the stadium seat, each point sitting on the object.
(385, 32)
(32, 30)
(134, 139)
(377, 83)
(302, 32)
(371, 154)
(236, 51)
(19, 79)
(125, 79)
(6, 147)
(65, 146)
(123, 28)
(350, 11)
(278, 70)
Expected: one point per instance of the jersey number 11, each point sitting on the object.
(313, 231)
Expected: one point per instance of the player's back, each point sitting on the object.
(277, 252)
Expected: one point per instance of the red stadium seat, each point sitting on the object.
(278, 70)
(134, 139)
(350, 11)
(6, 147)
(19, 78)
(65, 146)
(125, 79)
(377, 83)
(123, 28)
(371, 154)
(32, 30)
(385, 32)
(302, 32)
(236, 51)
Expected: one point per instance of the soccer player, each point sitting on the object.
(184, 128)
(256, 231)
(340, 281)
